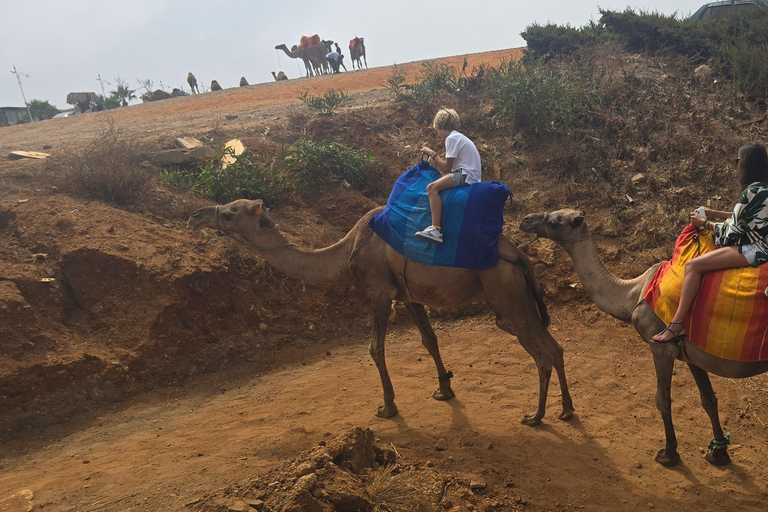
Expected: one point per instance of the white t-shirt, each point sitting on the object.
(467, 158)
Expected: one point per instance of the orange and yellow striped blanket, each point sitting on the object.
(729, 316)
(307, 42)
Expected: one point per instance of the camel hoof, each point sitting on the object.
(385, 411)
(566, 414)
(438, 394)
(718, 457)
(667, 460)
(531, 420)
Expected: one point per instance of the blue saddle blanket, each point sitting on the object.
(471, 223)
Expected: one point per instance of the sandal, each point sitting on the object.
(677, 333)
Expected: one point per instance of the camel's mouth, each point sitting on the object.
(196, 221)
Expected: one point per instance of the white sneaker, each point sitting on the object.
(431, 234)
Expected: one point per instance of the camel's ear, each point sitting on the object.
(257, 209)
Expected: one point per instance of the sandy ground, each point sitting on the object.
(165, 449)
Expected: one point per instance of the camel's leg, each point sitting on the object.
(556, 350)
(664, 365)
(381, 309)
(429, 340)
(718, 453)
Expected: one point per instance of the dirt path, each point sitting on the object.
(163, 450)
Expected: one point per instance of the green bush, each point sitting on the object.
(396, 83)
(324, 105)
(434, 78)
(535, 99)
(242, 179)
(310, 163)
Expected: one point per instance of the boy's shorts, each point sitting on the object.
(459, 179)
(749, 252)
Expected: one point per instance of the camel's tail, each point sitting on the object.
(519, 258)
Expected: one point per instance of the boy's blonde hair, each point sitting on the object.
(446, 119)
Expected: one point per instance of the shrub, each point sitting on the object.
(107, 169)
(311, 163)
(396, 83)
(242, 179)
(434, 78)
(536, 99)
(325, 104)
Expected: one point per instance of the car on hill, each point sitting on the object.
(714, 10)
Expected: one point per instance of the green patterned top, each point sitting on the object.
(748, 224)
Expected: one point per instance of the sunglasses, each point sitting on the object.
(737, 159)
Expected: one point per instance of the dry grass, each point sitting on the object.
(396, 492)
(107, 169)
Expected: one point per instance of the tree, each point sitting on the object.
(107, 102)
(42, 109)
(122, 93)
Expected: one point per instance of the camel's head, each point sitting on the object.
(242, 216)
(281, 47)
(561, 226)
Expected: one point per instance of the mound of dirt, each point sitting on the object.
(355, 471)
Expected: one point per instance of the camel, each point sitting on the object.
(279, 76)
(357, 50)
(312, 59)
(215, 86)
(156, 95)
(366, 260)
(192, 81)
(622, 299)
(243, 81)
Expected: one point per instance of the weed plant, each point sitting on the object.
(536, 99)
(395, 84)
(106, 169)
(241, 179)
(311, 163)
(325, 105)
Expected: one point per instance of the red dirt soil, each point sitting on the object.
(305, 373)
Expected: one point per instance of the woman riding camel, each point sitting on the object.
(741, 238)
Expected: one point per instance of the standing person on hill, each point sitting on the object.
(741, 239)
(333, 59)
(461, 167)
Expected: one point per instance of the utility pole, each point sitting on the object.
(101, 82)
(18, 77)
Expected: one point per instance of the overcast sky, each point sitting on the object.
(65, 46)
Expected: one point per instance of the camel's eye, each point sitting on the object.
(227, 215)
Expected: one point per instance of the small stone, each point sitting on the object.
(489, 446)
(121, 247)
(477, 484)
(441, 445)
(257, 504)
(238, 506)
(429, 464)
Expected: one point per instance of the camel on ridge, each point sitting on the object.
(215, 86)
(365, 259)
(313, 59)
(243, 81)
(622, 299)
(192, 81)
(279, 76)
(357, 50)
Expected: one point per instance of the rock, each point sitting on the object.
(637, 178)
(345, 491)
(441, 445)
(188, 143)
(702, 72)
(305, 468)
(306, 482)
(477, 484)
(238, 506)
(256, 504)
(183, 156)
(232, 149)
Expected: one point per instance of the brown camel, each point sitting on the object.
(357, 50)
(279, 76)
(622, 299)
(243, 81)
(215, 86)
(363, 258)
(192, 81)
(310, 59)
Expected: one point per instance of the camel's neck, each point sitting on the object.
(327, 265)
(292, 55)
(617, 297)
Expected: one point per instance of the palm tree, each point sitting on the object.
(122, 93)
(42, 109)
